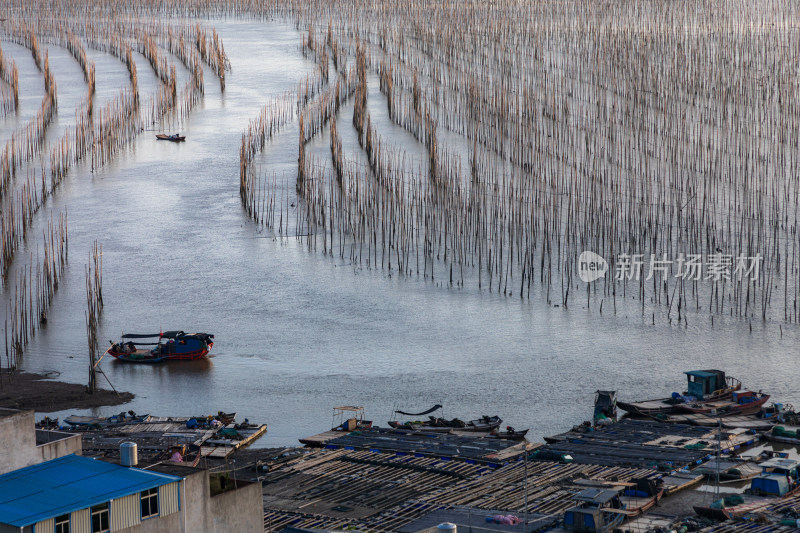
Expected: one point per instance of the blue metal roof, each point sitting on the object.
(68, 484)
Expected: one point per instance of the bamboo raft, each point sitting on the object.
(386, 491)
(494, 451)
(647, 443)
(159, 432)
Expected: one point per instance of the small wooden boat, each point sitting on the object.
(440, 425)
(729, 507)
(740, 403)
(784, 434)
(349, 418)
(509, 434)
(778, 478)
(703, 386)
(174, 137)
(98, 422)
(169, 346)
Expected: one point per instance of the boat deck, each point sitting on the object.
(728, 422)
(678, 481)
(222, 448)
(729, 469)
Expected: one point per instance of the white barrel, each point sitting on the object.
(128, 455)
(447, 526)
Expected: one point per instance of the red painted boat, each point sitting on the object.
(741, 403)
(168, 346)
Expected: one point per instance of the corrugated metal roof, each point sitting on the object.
(66, 484)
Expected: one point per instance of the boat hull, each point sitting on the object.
(173, 138)
(178, 346)
(728, 409)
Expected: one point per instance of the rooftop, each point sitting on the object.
(5, 412)
(67, 484)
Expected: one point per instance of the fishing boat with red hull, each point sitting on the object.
(743, 402)
(158, 347)
(704, 386)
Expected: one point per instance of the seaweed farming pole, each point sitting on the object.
(94, 304)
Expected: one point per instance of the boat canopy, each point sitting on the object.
(167, 335)
(780, 465)
(704, 382)
(427, 412)
(774, 484)
(605, 404)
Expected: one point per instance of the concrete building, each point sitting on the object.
(24, 445)
(75, 494)
(210, 506)
(46, 487)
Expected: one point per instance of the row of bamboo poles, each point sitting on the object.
(98, 135)
(94, 310)
(273, 116)
(9, 74)
(624, 129)
(33, 290)
(578, 141)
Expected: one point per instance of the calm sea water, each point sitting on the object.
(297, 332)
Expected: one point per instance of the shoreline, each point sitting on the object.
(27, 390)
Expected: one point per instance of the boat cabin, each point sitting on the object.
(598, 510)
(703, 383)
(605, 405)
(349, 418)
(778, 477)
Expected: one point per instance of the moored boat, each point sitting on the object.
(441, 425)
(740, 403)
(168, 346)
(176, 138)
(349, 418)
(97, 422)
(509, 434)
(703, 386)
(784, 435)
(779, 478)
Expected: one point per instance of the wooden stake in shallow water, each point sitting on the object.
(94, 304)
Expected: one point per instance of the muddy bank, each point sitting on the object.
(31, 391)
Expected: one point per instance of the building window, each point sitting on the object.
(62, 523)
(100, 522)
(149, 503)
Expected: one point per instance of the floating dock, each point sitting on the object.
(158, 434)
(478, 448)
(650, 444)
(383, 479)
(391, 491)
